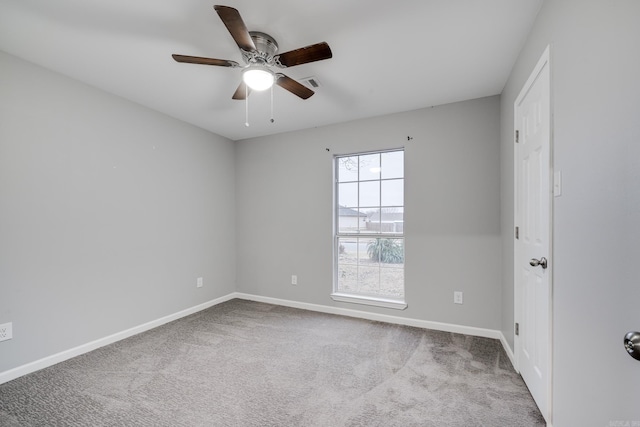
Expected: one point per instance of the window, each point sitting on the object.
(369, 229)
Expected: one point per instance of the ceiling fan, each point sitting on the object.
(259, 52)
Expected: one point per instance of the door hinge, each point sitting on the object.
(517, 328)
(517, 136)
(517, 232)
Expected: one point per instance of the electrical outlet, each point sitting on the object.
(457, 297)
(6, 331)
(294, 279)
(199, 282)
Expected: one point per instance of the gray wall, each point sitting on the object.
(595, 70)
(284, 210)
(108, 213)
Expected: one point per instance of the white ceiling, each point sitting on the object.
(388, 57)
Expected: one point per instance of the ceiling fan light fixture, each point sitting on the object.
(258, 77)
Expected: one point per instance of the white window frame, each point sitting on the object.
(393, 303)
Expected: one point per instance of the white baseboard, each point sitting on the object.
(101, 342)
(447, 327)
(85, 348)
(508, 350)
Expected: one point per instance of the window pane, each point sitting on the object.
(392, 281)
(348, 194)
(373, 220)
(388, 220)
(351, 220)
(393, 192)
(366, 255)
(370, 193)
(348, 250)
(347, 169)
(369, 167)
(386, 251)
(392, 165)
(363, 256)
(347, 278)
(369, 279)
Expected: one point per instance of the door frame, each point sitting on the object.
(545, 60)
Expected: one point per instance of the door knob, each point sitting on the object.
(542, 262)
(632, 344)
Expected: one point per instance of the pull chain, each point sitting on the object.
(246, 105)
(272, 104)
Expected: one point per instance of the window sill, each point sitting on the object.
(378, 302)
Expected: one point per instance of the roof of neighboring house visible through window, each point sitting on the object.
(350, 212)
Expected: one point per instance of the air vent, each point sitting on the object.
(312, 82)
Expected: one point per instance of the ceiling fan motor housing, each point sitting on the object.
(266, 48)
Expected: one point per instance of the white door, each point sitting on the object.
(533, 195)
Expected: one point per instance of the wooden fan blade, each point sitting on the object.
(312, 53)
(234, 23)
(293, 86)
(205, 61)
(242, 91)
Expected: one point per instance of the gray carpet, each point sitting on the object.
(244, 363)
